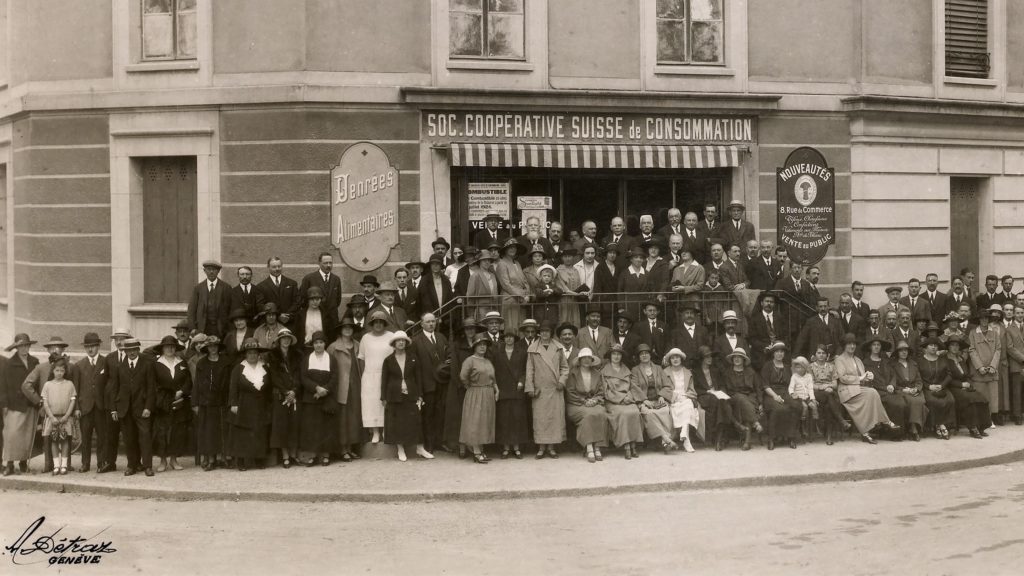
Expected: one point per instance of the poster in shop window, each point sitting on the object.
(364, 207)
(806, 206)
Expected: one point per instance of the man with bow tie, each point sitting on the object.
(246, 296)
(625, 336)
(646, 229)
(210, 304)
(280, 290)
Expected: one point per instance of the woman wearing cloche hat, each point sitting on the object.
(285, 360)
(173, 411)
(209, 396)
(319, 406)
(248, 401)
(402, 393)
(584, 398)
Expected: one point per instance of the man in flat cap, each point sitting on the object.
(210, 304)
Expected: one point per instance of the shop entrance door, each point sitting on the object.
(585, 199)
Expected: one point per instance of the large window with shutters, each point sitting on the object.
(170, 241)
(967, 38)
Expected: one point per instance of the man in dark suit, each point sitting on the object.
(905, 331)
(91, 387)
(647, 234)
(727, 273)
(919, 306)
(710, 225)
(407, 297)
(210, 304)
(588, 236)
(674, 226)
(694, 239)
(618, 235)
(431, 348)
(625, 336)
(875, 327)
(136, 398)
(653, 331)
(441, 247)
(491, 232)
(435, 290)
(595, 336)
(823, 328)
(957, 296)
(795, 285)
(281, 290)
(1006, 281)
(112, 362)
(990, 296)
(532, 238)
(397, 320)
(328, 283)
(557, 242)
(851, 321)
(737, 231)
(765, 326)
(246, 296)
(764, 270)
(689, 336)
(859, 305)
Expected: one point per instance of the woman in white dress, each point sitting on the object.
(684, 396)
(374, 348)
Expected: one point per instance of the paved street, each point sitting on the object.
(966, 522)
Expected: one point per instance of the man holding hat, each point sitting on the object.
(737, 231)
(397, 320)
(210, 304)
(90, 380)
(327, 281)
(491, 232)
(133, 409)
(281, 290)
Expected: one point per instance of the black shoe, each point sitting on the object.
(130, 471)
(149, 472)
(518, 454)
(983, 433)
(1018, 420)
(104, 468)
(792, 444)
(84, 468)
(23, 466)
(915, 436)
(771, 444)
(8, 469)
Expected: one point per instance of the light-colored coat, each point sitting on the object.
(546, 373)
(986, 350)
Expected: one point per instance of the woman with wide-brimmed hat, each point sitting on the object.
(685, 409)
(319, 405)
(249, 396)
(855, 392)
(567, 280)
(584, 399)
(285, 365)
(874, 353)
(512, 417)
(782, 410)
(710, 387)
(478, 406)
(621, 398)
(971, 403)
(402, 394)
(345, 350)
(515, 290)
(906, 381)
(546, 372)
(826, 386)
(655, 396)
(743, 386)
(462, 347)
(269, 326)
(20, 415)
(935, 380)
(173, 412)
(482, 288)
(209, 397)
(374, 347)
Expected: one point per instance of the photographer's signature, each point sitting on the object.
(36, 545)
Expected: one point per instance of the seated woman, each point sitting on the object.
(742, 384)
(619, 403)
(584, 398)
(971, 404)
(783, 410)
(685, 411)
(717, 408)
(547, 295)
(906, 381)
(862, 402)
(935, 379)
(874, 353)
(655, 393)
(825, 393)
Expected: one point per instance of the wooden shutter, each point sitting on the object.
(169, 238)
(967, 38)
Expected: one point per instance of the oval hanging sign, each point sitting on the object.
(364, 207)
(806, 189)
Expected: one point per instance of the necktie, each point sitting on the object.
(593, 333)
(913, 303)
(131, 364)
(431, 338)
(494, 235)
(692, 235)
(245, 287)
(402, 294)
(797, 285)
(277, 281)
(824, 319)
(736, 223)
(92, 361)
(653, 325)
(211, 287)
(771, 326)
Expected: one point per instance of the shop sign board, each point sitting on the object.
(806, 193)
(534, 203)
(364, 207)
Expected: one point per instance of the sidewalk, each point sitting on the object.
(448, 478)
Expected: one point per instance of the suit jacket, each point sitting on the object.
(710, 232)
(723, 348)
(952, 304)
(657, 339)
(625, 244)
(760, 337)
(816, 332)
(524, 259)
(112, 361)
(731, 236)
(728, 276)
(680, 338)
(888, 307)
(983, 300)
(91, 384)
(938, 305)
(863, 309)
(761, 276)
(482, 238)
(429, 358)
(629, 344)
(286, 296)
(913, 338)
(204, 307)
(168, 384)
(392, 376)
(331, 290)
(922, 307)
(252, 302)
(786, 284)
(136, 389)
(666, 231)
(230, 345)
(411, 302)
(396, 320)
(583, 242)
(856, 326)
(883, 333)
(604, 340)
(1013, 347)
(430, 300)
(698, 247)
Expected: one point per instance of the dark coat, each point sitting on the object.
(952, 304)
(759, 337)
(816, 332)
(983, 300)
(203, 306)
(625, 243)
(411, 302)
(329, 402)
(722, 349)
(629, 345)
(91, 384)
(15, 372)
(922, 307)
(113, 360)
(604, 281)
(805, 293)
(698, 247)
(429, 357)
(656, 339)
(392, 376)
(396, 320)
(508, 373)
(331, 290)
(660, 276)
(253, 405)
(938, 304)
(168, 385)
(524, 258)
(728, 275)
(252, 302)
(210, 387)
(136, 389)
(680, 338)
(231, 351)
(762, 276)
(856, 326)
(328, 319)
(482, 239)
(430, 300)
(286, 296)
(732, 237)
(711, 232)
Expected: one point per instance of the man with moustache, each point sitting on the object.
(246, 296)
(280, 290)
(327, 281)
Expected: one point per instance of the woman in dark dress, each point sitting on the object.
(345, 350)
(402, 394)
(717, 412)
(876, 362)
(249, 400)
(783, 410)
(172, 415)
(606, 280)
(285, 364)
(935, 381)
(906, 381)
(511, 423)
(743, 386)
(209, 395)
(971, 404)
(461, 348)
(317, 426)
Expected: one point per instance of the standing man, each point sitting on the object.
(558, 245)
(689, 336)
(441, 248)
(959, 296)
(532, 238)
(813, 275)
(91, 378)
(431, 348)
(820, 329)
(136, 398)
(328, 283)
(246, 296)
(490, 233)
(859, 305)
(919, 306)
(675, 224)
(646, 229)
(710, 225)
(727, 273)
(406, 299)
(112, 361)
(210, 304)
(589, 237)
(893, 305)
(765, 327)
(936, 299)
(852, 322)
(397, 320)
(280, 290)
(989, 296)
(737, 231)
(416, 269)
(369, 286)
(618, 236)
(905, 331)
(764, 270)
(694, 239)
(1007, 289)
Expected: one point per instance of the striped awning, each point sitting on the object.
(499, 155)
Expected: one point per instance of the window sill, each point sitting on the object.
(4, 303)
(500, 65)
(163, 66)
(682, 70)
(158, 310)
(986, 82)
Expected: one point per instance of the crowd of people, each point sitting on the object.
(520, 344)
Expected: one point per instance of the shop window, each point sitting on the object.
(170, 239)
(489, 29)
(3, 231)
(690, 32)
(967, 47)
(168, 29)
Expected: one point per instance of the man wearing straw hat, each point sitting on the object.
(33, 384)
